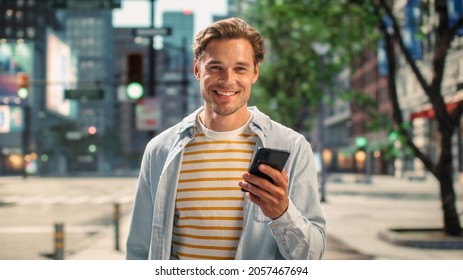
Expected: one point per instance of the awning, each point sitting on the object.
(428, 112)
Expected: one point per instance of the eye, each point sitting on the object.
(215, 68)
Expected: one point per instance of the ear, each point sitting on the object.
(196, 68)
(256, 74)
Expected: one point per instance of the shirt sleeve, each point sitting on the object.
(300, 231)
(139, 236)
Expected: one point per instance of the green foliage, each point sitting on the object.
(294, 79)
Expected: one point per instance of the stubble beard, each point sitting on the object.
(227, 110)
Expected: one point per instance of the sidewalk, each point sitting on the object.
(102, 245)
(356, 214)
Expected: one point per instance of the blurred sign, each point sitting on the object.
(11, 119)
(62, 68)
(84, 94)
(15, 60)
(4, 119)
(151, 32)
(86, 4)
(73, 135)
(148, 114)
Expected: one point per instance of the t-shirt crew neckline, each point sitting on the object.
(223, 134)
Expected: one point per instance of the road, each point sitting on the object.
(30, 207)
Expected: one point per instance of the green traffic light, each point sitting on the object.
(92, 148)
(361, 142)
(23, 93)
(134, 90)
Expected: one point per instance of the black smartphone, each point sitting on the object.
(272, 157)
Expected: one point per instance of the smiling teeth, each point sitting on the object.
(226, 93)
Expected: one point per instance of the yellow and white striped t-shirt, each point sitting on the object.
(209, 204)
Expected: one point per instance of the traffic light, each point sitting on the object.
(92, 147)
(23, 85)
(134, 89)
(361, 142)
(91, 130)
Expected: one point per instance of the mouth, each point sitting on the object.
(225, 93)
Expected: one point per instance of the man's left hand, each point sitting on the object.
(272, 198)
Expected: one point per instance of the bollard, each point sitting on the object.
(59, 241)
(117, 215)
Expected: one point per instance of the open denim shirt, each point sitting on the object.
(298, 234)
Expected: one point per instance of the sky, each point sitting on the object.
(137, 12)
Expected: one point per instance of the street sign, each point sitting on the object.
(84, 94)
(151, 32)
(86, 4)
(73, 135)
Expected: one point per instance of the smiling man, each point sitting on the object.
(190, 204)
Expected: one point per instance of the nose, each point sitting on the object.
(227, 77)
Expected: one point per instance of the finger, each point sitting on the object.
(257, 182)
(280, 179)
(254, 189)
(285, 175)
(260, 199)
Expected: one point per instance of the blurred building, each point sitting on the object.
(369, 158)
(65, 49)
(90, 34)
(23, 52)
(178, 87)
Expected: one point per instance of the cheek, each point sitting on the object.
(207, 79)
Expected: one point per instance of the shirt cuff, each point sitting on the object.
(285, 221)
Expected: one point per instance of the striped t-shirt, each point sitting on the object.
(209, 204)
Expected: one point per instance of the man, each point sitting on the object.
(189, 203)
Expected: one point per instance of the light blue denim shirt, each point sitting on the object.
(298, 234)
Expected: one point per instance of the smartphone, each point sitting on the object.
(272, 157)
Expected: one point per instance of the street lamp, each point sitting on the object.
(321, 49)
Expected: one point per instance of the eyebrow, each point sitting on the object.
(219, 62)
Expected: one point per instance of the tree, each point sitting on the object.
(291, 76)
(292, 82)
(447, 122)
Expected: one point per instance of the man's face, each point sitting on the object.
(226, 72)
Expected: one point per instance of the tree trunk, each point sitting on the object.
(444, 173)
(448, 199)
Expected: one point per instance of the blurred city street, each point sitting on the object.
(85, 85)
(356, 213)
(30, 208)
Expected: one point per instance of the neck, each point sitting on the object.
(216, 122)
